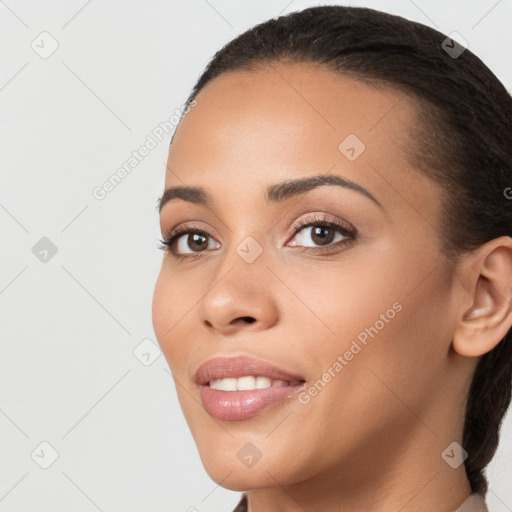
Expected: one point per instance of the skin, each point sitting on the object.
(372, 438)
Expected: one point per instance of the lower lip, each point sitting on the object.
(240, 405)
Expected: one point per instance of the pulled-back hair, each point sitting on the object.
(463, 142)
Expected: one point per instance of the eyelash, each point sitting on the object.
(167, 241)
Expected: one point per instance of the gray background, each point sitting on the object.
(70, 324)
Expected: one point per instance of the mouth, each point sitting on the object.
(250, 383)
(246, 372)
(242, 404)
(239, 388)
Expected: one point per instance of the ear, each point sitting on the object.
(486, 310)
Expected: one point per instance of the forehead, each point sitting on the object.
(294, 96)
(288, 120)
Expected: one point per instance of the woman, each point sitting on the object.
(334, 298)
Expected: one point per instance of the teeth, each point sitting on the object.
(247, 382)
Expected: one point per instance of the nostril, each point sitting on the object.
(249, 319)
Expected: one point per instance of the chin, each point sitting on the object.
(241, 480)
(239, 475)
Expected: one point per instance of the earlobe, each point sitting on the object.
(487, 277)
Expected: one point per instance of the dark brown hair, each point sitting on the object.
(463, 142)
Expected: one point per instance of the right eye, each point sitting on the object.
(186, 241)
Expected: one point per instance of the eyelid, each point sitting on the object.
(318, 218)
(188, 226)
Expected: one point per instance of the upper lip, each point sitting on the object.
(225, 367)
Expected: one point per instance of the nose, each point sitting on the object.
(240, 299)
(241, 319)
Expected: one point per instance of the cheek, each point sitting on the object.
(388, 350)
(159, 307)
(174, 297)
(376, 314)
(376, 289)
(346, 299)
(167, 311)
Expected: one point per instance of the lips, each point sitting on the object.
(244, 404)
(234, 367)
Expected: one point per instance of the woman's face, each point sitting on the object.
(362, 313)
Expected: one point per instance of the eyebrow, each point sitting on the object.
(274, 193)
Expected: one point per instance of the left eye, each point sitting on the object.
(320, 234)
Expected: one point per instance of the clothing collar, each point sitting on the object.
(474, 503)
